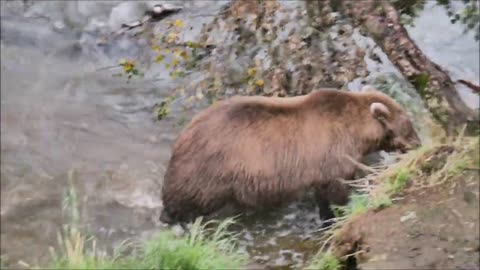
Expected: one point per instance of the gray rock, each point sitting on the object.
(125, 13)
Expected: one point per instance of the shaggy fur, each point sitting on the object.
(263, 151)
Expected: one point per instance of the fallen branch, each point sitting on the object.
(475, 88)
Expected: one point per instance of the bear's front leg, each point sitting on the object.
(328, 193)
(324, 210)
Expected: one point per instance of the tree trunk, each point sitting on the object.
(381, 21)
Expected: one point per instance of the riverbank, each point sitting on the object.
(428, 220)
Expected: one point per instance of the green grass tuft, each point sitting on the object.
(399, 181)
(359, 203)
(325, 261)
(200, 250)
(381, 201)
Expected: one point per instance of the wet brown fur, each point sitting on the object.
(262, 151)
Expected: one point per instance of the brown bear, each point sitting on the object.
(258, 152)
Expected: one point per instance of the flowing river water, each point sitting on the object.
(66, 122)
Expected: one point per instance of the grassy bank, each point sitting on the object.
(202, 248)
(429, 167)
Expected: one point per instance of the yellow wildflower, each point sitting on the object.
(178, 23)
(177, 52)
(128, 65)
(184, 55)
(159, 58)
(172, 37)
(175, 62)
(259, 82)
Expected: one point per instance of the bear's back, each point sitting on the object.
(263, 137)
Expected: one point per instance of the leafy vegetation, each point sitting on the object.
(178, 57)
(469, 15)
(421, 82)
(129, 68)
(162, 110)
(254, 81)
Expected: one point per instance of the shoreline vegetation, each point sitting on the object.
(202, 248)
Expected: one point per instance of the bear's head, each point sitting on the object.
(399, 134)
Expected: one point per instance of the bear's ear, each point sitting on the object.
(379, 111)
